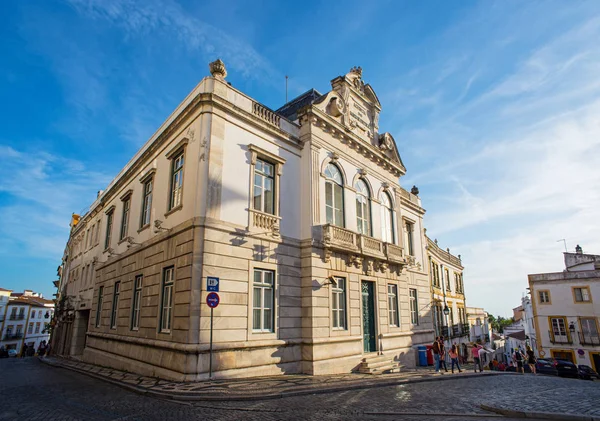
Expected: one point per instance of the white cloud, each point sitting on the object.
(43, 190)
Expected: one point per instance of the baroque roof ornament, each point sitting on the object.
(357, 70)
(217, 69)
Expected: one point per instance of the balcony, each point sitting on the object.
(12, 336)
(262, 221)
(16, 317)
(559, 339)
(344, 240)
(589, 339)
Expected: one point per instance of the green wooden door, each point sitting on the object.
(368, 316)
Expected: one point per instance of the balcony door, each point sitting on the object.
(559, 330)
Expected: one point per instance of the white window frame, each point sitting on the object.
(126, 200)
(393, 313)
(387, 218)
(363, 207)
(339, 309)
(99, 306)
(114, 314)
(136, 300)
(337, 205)
(260, 291)
(166, 300)
(414, 306)
(147, 193)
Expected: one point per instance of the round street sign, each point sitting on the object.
(212, 299)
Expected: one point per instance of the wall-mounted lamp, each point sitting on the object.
(446, 310)
(330, 280)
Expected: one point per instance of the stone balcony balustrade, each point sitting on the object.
(360, 245)
(262, 221)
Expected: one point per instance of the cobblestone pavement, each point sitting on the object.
(273, 386)
(30, 390)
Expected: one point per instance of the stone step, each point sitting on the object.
(390, 367)
(376, 358)
(377, 364)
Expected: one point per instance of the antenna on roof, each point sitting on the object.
(286, 87)
(565, 242)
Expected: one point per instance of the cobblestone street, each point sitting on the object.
(31, 390)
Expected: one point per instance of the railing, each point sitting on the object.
(17, 317)
(559, 339)
(339, 238)
(444, 331)
(265, 221)
(265, 114)
(589, 339)
(11, 336)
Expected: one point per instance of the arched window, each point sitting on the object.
(334, 196)
(363, 207)
(387, 218)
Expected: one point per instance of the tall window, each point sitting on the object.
(363, 205)
(387, 219)
(125, 218)
(544, 297)
(30, 330)
(264, 187)
(589, 329)
(115, 305)
(334, 196)
(135, 304)
(99, 308)
(166, 307)
(447, 274)
(146, 203)
(109, 223)
(409, 238)
(393, 305)
(559, 329)
(37, 327)
(263, 300)
(33, 314)
(582, 295)
(414, 306)
(176, 181)
(338, 295)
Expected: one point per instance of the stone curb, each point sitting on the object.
(539, 415)
(187, 397)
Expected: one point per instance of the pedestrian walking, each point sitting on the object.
(531, 360)
(518, 360)
(453, 353)
(443, 354)
(435, 348)
(42, 349)
(476, 361)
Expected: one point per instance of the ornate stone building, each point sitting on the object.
(299, 212)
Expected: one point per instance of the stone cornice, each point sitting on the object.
(338, 131)
(443, 255)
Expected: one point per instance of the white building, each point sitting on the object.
(480, 330)
(564, 310)
(27, 317)
(319, 250)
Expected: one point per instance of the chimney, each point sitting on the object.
(578, 249)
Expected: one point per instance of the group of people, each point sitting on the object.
(519, 358)
(27, 350)
(439, 354)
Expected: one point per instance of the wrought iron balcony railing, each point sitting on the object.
(559, 339)
(589, 338)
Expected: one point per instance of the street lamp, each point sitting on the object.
(447, 310)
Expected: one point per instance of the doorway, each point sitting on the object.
(566, 355)
(368, 317)
(595, 359)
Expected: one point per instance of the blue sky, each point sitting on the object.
(495, 107)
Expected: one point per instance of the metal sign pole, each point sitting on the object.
(211, 340)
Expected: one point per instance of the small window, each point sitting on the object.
(582, 295)
(109, 223)
(115, 306)
(37, 327)
(263, 300)
(409, 238)
(544, 297)
(338, 295)
(414, 307)
(99, 308)
(146, 203)
(33, 314)
(264, 187)
(447, 274)
(125, 218)
(334, 196)
(176, 181)
(393, 305)
(167, 299)
(30, 330)
(135, 305)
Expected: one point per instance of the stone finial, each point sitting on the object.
(415, 190)
(578, 249)
(217, 69)
(357, 70)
